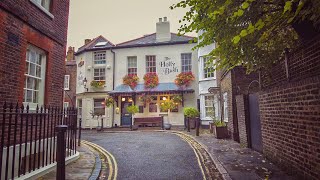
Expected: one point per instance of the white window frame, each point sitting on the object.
(66, 82)
(100, 77)
(208, 106)
(79, 105)
(99, 107)
(205, 71)
(186, 63)
(132, 63)
(225, 107)
(151, 63)
(99, 58)
(39, 4)
(38, 61)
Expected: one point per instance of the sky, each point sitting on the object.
(118, 20)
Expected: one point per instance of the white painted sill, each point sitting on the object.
(42, 9)
(207, 79)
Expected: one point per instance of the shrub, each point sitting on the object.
(191, 112)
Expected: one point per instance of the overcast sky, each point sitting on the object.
(118, 20)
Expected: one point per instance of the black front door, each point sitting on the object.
(255, 124)
(125, 116)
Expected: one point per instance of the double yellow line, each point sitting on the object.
(196, 147)
(112, 163)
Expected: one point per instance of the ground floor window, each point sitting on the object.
(80, 107)
(209, 109)
(153, 108)
(98, 108)
(225, 106)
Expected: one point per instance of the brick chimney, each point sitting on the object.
(70, 54)
(86, 41)
(163, 30)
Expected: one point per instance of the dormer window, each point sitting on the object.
(99, 57)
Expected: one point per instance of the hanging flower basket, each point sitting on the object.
(97, 84)
(184, 79)
(109, 102)
(151, 80)
(177, 99)
(131, 80)
(145, 99)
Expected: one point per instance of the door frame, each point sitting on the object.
(121, 106)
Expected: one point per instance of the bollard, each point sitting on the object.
(79, 138)
(188, 124)
(197, 126)
(61, 152)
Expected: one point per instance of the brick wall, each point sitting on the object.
(290, 112)
(71, 69)
(242, 116)
(22, 23)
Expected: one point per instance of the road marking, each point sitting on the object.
(196, 153)
(113, 173)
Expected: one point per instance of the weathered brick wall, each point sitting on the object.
(71, 69)
(21, 23)
(242, 115)
(290, 112)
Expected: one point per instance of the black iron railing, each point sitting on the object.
(28, 137)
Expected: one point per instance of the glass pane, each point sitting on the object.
(29, 96)
(30, 83)
(38, 71)
(38, 61)
(27, 68)
(32, 69)
(32, 57)
(35, 96)
(152, 107)
(36, 84)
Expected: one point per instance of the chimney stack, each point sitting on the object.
(70, 54)
(163, 30)
(86, 41)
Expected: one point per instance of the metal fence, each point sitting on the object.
(28, 137)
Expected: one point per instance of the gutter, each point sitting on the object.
(113, 80)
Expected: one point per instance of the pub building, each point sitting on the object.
(108, 72)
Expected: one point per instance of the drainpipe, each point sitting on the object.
(113, 82)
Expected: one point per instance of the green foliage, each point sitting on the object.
(167, 105)
(191, 112)
(133, 109)
(252, 33)
(218, 123)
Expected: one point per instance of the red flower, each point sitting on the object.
(151, 80)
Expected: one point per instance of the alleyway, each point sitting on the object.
(149, 155)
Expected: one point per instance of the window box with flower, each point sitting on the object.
(97, 84)
(184, 79)
(151, 80)
(131, 80)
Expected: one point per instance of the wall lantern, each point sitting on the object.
(117, 110)
(123, 99)
(164, 98)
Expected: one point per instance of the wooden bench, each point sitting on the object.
(149, 121)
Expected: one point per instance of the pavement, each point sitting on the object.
(149, 155)
(239, 162)
(81, 169)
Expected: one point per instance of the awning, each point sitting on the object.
(162, 88)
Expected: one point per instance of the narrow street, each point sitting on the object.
(149, 155)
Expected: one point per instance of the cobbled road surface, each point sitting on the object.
(148, 155)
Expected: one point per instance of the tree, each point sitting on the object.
(252, 33)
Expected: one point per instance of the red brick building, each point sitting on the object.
(70, 79)
(33, 35)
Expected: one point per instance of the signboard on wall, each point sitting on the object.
(168, 66)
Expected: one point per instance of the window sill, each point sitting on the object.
(42, 9)
(207, 79)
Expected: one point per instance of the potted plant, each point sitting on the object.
(151, 80)
(177, 99)
(184, 79)
(109, 101)
(131, 80)
(220, 129)
(192, 114)
(167, 106)
(133, 110)
(97, 84)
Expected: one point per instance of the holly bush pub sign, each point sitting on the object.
(168, 66)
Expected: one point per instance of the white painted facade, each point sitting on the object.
(204, 84)
(169, 53)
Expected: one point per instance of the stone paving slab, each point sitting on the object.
(240, 163)
(80, 169)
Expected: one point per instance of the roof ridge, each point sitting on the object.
(183, 35)
(135, 39)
